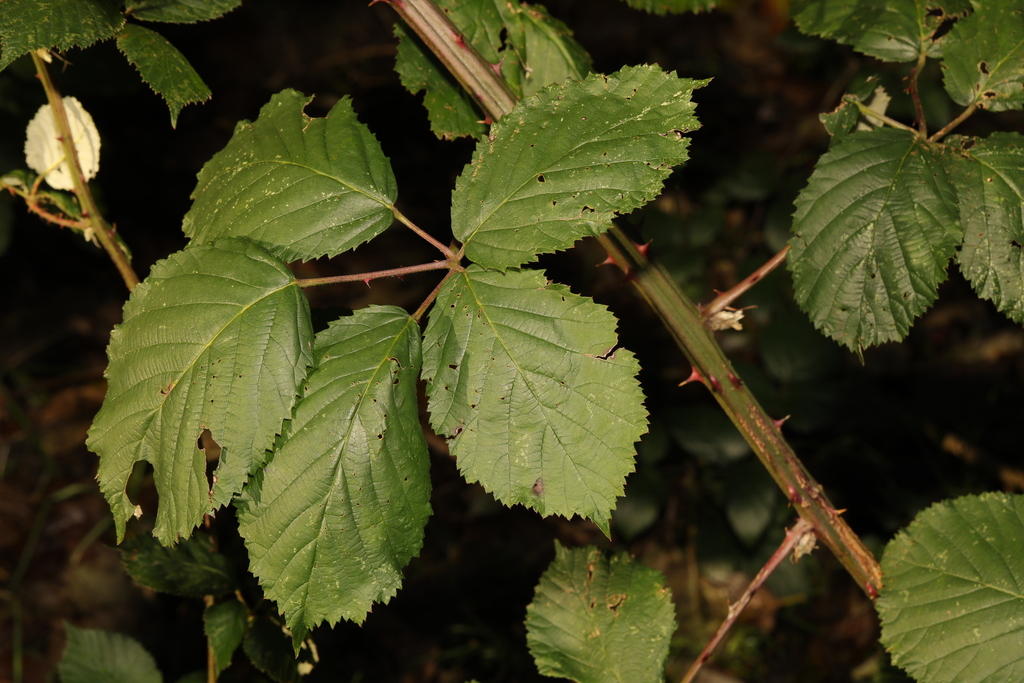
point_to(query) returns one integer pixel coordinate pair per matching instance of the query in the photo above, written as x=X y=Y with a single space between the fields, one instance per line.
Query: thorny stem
x=945 y=130
x=915 y=95
x=376 y=274
x=448 y=254
x=684 y=321
x=793 y=537
x=726 y=298
x=90 y=212
x=418 y=313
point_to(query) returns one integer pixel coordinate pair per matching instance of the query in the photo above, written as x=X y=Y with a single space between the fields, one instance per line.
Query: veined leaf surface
x=672 y=6
x=165 y=69
x=563 y=163
x=989 y=177
x=340 y=508
x=873 y=232
x=93 y=655
x=300 y=187
x=217 y=337
x=180 y=11
x=600 y=619
x=225 y=624
x=894 y=31
x=952 y=607
x=524 y=377
x=985 y=57
x=27 y=25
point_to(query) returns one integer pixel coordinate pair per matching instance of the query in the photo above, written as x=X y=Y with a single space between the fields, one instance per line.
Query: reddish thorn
x=781 y=421
x=630 y=277
x=367 y=281
x=496 y=67
x=488 y=120
x=715 y=384
x=694 y=377
x=642 y=248
x=872 y=591
x=736 y=381
x=609 y=261
x=794 y=497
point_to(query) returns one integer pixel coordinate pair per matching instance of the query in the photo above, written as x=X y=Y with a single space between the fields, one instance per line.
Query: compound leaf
x=954 y=592
x=165 y=69
x=300 y=187
x=180 y=11
x=524 y=377
x=672 y=6
x=895 y=31
x=216 y=338
x=93 y=655
x=985 y=57
x=224 y=624
x=597 y=619
x=873 y=232
x=561 y=164
x=989 y=177
x=28 y=25
x=340 y=509
x=191 y=568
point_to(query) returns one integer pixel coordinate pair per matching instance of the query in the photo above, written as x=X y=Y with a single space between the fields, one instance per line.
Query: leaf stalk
x=376 y=274
x=90 y=212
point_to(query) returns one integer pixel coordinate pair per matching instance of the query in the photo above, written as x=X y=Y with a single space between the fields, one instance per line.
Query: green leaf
x=525 y=378
x=844 y=118
x=180 y=11
x=896 y=31
x=563 y=163
x=225 y=624
x=217 y=337
x=672 y=6
x=94 y=656
x=953 y=596
x=165 y=69
x=268 y=646
x=533 y=49
x=300 y=187
x=596 y=618
x=873 y=232
x=191 y=568
x=540 y=48
x=28 y=25
x=985 y=57
x=340 y=509
x=450 y=109
x=989 y=178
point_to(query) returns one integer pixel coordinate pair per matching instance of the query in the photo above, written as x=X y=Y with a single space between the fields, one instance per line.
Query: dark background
x=933 y=417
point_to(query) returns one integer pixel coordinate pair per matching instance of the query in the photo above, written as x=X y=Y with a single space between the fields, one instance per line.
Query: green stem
x=915 y=95
x=870 y=113
x=374 y=275
x=947 y=129
x=90 y=212
x=723 y=300
x=448 y=254
x=679 y=315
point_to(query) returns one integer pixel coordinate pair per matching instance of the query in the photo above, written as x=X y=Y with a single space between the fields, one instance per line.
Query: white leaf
x=44 y=152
